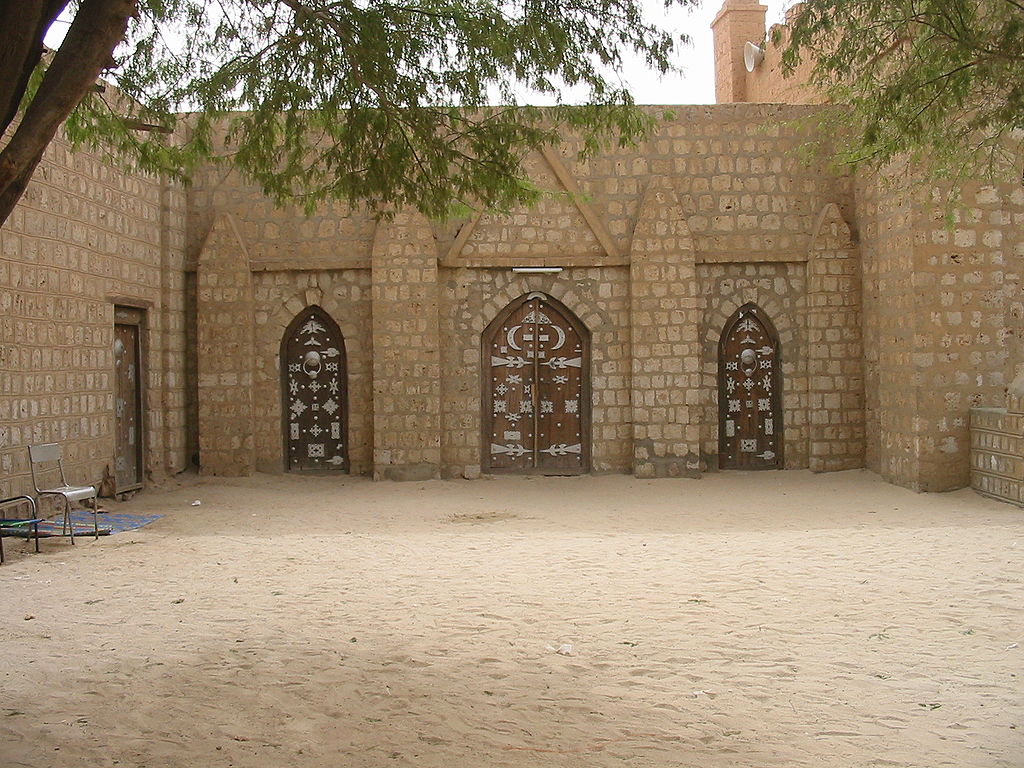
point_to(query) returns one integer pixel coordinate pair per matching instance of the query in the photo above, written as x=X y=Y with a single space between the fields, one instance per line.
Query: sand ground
x=771 y=619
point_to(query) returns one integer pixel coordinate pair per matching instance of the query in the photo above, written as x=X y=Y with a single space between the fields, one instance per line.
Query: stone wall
x=938 y=296
x=654 y=243
x=936 y=338
x=87 y=237
x=406 y=356
x=892 y=323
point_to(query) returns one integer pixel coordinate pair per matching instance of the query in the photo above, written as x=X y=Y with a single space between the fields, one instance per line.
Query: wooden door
x=128 y=432
x=536 y=390
x=749 y=392
x=314 y=395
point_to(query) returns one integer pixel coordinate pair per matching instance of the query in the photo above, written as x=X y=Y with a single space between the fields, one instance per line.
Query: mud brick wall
x=961 y=345
x=835 y=354
x=406 y=357
x=723 y=186
x=664 y=322
x=936 y=332
x=85 y=237
x=224 y=311
x=940 y=302
x=886 y=244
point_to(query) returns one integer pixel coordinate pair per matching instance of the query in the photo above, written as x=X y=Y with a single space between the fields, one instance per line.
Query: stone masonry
x=938 y=301
x=88 y=237
x=656 y=246
x=892 y=325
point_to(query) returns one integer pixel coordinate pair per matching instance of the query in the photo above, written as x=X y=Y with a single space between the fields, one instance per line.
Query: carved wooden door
x=314 y=400
x=749 y=393
x=536 y=393
x=128 y=438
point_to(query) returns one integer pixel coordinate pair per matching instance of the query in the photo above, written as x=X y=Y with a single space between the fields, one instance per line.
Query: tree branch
x=24 y=22
x=86 y=51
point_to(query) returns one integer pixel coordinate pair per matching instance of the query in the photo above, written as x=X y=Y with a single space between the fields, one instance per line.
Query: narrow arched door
x=749 y=392
x=314 y=393
x=536 y=390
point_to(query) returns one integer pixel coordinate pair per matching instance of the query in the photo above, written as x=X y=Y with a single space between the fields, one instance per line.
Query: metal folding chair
x=42 y=458
x=10 y=524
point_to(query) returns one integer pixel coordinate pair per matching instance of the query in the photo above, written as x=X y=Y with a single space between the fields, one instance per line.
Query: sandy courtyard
x=773 y=619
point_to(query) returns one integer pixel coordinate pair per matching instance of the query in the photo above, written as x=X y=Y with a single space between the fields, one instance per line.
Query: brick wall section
x=835 y=362
x=224 y=308
x=665 y=347
x=747 y=193
x=277 y=236
x=406 y=357
x=552 y=230
x=168 y=418
x=748 y=202
x=84 y=237
x=960 y=356
x=278 y=297
x=887 y=240
x=935 y=326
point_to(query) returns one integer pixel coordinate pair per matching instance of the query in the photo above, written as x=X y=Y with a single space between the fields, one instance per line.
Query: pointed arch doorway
x=314 y=393
x=749 y=392
x=536 y=390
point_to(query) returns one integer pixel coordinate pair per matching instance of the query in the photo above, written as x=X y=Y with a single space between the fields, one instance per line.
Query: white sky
x=697 y=83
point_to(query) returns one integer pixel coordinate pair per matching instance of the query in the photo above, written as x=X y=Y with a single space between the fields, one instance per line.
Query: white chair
x=48 y=458
x=16 y=524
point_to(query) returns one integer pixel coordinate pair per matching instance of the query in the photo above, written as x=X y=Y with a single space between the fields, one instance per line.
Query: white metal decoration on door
x=314 y=396
x=749 y=392
x=536 y=390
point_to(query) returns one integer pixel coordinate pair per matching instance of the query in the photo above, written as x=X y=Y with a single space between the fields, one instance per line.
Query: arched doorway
x=536 y=389
x=314 y=393
x=749 y=392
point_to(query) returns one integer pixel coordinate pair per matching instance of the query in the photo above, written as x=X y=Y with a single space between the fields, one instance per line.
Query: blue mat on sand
x=110 y=522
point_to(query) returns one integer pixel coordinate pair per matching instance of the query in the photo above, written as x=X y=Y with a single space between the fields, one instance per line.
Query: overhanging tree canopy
x=938 y=81
x=376 y=101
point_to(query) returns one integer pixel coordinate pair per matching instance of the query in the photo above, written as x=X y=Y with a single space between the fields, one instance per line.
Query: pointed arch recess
x=535 y=389
x=314 y=393
x=750 y=392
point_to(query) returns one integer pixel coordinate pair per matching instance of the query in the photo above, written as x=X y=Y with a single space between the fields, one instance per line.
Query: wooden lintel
x=507 y=262
x=308 y=265
x=462 y=237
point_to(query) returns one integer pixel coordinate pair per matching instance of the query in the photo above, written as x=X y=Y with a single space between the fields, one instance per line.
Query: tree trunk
x=98 y=26
x=24 y=23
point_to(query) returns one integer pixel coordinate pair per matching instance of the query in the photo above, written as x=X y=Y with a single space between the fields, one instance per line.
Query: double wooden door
x=749 y=392
x=536 y=390
x=314 y=398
